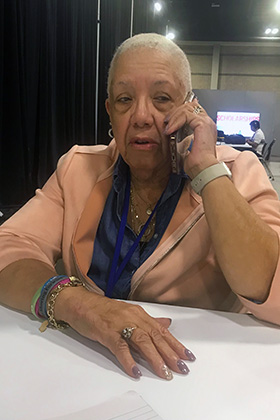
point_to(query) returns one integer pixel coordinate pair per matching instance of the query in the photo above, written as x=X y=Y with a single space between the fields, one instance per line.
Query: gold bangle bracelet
x=51 y=321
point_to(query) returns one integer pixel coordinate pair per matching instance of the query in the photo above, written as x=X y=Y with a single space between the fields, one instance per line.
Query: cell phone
x=177 y=137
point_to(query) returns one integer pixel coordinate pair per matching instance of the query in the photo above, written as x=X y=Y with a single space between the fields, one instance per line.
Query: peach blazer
x=61 y=221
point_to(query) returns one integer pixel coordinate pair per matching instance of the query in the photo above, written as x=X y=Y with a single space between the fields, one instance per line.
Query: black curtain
x=48 y=51
x=47 y=88
x=114 y=28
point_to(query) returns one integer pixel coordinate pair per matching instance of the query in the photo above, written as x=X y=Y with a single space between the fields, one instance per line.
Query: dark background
x=48 y=71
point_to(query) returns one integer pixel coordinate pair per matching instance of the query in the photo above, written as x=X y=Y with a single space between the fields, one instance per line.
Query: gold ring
x=197 y=109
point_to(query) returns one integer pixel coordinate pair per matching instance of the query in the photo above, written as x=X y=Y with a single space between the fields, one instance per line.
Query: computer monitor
x=236 y=122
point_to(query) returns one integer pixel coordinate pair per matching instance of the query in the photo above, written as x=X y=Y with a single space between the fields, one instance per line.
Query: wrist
x=74 y=302
x=197 y=168
x=208 y=175
x=66 y=302
x=52 y=309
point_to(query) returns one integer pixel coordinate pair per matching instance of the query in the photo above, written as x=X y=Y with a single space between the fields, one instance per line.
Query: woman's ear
x=107 y=106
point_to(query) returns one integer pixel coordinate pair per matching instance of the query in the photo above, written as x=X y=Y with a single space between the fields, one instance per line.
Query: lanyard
x=116 y=271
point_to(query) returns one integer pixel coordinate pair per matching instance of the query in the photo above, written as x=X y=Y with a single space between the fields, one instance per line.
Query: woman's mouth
x=143 y=143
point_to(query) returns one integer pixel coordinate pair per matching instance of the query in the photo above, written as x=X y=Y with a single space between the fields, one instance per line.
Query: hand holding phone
x=177 y=137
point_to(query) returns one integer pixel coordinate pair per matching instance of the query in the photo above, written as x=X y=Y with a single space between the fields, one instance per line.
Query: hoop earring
x=110 y=133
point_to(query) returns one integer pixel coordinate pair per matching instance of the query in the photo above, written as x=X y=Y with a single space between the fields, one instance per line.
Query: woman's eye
x=162 y=99
x=124 y=100
x=163 y=102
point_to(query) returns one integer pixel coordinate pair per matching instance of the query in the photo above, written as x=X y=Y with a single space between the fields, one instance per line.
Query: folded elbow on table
x=268 y=309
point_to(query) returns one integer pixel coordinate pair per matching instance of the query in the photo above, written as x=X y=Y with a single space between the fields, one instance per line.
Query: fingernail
x=136 y=372
x=183 y=367
x=166 y=128
x=167 y=373
x=191 y=357
x=190 y=146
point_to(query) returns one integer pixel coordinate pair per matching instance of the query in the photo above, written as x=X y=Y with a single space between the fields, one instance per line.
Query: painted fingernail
x=183 y=367
x=190 y=146
x=167 y=373
x=170 y=319
x=136 y=372
x=191 y=357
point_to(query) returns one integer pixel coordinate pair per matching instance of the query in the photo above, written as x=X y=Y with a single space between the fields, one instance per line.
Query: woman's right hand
x=102 y=319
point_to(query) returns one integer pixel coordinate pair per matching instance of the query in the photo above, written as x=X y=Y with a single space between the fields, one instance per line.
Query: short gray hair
x=160 y=43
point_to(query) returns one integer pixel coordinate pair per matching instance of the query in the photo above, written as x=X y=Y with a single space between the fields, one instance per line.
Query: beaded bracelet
x=46 y=289
x=38 y=302
x=51 y=321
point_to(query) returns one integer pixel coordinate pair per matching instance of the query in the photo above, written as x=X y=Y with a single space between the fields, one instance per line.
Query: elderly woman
x=127 y=227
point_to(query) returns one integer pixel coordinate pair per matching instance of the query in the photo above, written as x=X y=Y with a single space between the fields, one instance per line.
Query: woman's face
x=144 y=90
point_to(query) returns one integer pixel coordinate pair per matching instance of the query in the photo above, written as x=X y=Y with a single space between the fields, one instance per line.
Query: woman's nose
x=142 y=114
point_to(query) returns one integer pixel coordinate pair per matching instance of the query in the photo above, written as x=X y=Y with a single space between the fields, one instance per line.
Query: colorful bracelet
x=38 y=302
x=34 y=302
x=47 y=287
x=37 y=312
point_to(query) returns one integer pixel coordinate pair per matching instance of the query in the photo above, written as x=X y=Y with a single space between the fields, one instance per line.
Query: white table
x=240 y=147
x=236 y=375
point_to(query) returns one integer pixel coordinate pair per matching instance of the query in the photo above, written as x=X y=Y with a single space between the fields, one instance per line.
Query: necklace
x=137 y=223
x=150 y=206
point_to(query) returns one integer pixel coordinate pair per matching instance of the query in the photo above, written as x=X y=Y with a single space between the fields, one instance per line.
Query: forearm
x=246 y=247
x=20 y=280
x=252 y=143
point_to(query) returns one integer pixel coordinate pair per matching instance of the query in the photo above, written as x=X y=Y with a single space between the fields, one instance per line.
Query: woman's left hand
x=240 y=234
x=203 y=151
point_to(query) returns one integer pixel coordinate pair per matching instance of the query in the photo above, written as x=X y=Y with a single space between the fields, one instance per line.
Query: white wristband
x=208 y=174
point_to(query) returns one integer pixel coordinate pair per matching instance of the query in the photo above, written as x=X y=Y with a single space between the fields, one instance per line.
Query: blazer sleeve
x=252 y=182
x=35 y=231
